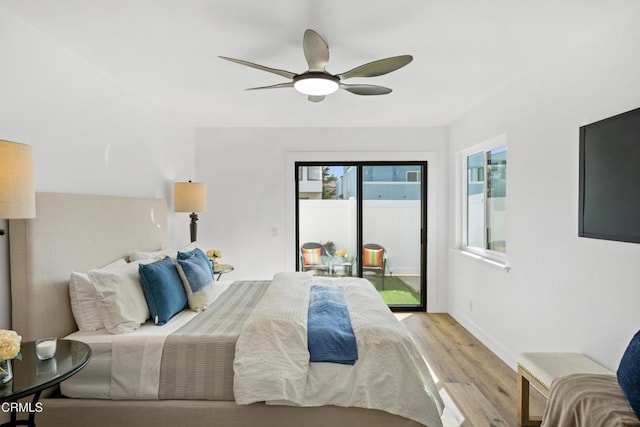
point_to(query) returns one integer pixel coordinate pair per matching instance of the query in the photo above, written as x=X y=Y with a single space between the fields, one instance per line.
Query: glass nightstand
x=32 y=376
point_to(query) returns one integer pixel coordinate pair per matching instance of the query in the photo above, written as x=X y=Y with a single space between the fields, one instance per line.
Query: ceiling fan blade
x=366 y=89
x=289 y=84
x=377 y=68
x=283 y=73
x=316 y=98
x=316 y=50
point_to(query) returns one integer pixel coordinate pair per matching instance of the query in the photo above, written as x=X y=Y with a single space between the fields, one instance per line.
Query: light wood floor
x=481 y=385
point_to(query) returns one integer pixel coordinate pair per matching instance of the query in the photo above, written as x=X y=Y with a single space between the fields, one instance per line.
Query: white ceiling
x=167 y=50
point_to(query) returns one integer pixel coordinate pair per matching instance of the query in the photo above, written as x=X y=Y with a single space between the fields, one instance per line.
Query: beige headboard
x=73 y=232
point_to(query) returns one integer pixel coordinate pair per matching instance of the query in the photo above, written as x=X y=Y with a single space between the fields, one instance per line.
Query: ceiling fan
x=316 y=82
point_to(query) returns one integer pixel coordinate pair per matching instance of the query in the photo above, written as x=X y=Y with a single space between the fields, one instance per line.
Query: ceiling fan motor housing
x=316 y=83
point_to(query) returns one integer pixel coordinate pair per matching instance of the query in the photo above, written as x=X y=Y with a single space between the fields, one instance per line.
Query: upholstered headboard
x=73 y=232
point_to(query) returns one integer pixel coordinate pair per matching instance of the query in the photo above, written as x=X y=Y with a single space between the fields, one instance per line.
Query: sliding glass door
x=327 y=221
x=365 y=219
x=392 y=220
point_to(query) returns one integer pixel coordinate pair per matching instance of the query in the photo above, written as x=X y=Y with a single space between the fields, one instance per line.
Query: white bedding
x=125 y=366
x=272 y=360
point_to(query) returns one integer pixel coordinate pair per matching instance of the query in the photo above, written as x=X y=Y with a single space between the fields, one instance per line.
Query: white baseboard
x=505 y=355
x=436 y=308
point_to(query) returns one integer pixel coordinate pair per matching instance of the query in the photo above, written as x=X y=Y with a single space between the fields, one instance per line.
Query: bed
x=81 y=232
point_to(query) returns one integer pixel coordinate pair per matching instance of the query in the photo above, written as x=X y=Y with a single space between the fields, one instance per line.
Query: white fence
x=394 y=224
x=476 y=220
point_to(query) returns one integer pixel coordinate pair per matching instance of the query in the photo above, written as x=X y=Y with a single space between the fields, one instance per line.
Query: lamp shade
x=189 y=197
x=17 y=195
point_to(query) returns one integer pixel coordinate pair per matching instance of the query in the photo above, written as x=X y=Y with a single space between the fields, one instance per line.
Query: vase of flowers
x=9 y=349
x=213 y=255
x=6 y=373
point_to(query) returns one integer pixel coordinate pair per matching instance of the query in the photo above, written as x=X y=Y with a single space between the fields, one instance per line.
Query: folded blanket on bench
x=586 y=400
x=330 y=337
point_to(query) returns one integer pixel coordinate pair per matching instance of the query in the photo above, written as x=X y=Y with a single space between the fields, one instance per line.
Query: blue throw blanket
x=330 y=336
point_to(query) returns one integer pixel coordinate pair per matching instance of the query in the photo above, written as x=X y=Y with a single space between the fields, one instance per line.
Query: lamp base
x=193 y=227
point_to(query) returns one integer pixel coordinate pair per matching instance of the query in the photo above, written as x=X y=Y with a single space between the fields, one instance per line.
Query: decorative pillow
x=84 y=304
x=162 y=289
x=372 y=257
x=312 y=256
x=157 y=255
x=197 y=251
x=629 y=373
x=121 y=303
x=198 y=281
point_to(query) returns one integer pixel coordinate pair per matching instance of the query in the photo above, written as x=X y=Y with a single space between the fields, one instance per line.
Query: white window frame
x=493 y=256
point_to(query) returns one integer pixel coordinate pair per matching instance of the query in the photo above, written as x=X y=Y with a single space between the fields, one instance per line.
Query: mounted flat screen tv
x=610 y=178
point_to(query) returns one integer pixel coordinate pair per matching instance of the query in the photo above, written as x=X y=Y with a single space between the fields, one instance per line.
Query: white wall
x=89 y=134
x=250 y=178
x=563 y=293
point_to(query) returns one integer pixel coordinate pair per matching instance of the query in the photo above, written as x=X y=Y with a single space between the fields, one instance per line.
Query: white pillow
x=121 y=302
x=83 y=299
x=161 y=253
x=188 y=247
x=155 y=255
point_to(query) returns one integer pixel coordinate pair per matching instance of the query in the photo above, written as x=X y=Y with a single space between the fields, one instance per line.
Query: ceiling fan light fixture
x=316 y=84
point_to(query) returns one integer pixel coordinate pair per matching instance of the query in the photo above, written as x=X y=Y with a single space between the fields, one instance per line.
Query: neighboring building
x=310 y=182
x=398 y=182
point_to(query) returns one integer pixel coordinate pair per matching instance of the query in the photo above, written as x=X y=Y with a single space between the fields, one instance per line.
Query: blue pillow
x=198 y=281
x=162 y=289
x=629 y=373
x=198 y=252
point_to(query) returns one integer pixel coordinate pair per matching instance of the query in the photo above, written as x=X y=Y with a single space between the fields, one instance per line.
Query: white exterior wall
x=394 y=224
x=324 y=220
x=475 y=220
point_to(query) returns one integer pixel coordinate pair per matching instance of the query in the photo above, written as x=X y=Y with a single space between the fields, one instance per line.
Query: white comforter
x=272 y=360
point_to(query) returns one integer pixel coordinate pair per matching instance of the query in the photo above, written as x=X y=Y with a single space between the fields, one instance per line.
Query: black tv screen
x=610 y=178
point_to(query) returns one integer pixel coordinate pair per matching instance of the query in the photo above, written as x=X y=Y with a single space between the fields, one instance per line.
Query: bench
x=540 y=369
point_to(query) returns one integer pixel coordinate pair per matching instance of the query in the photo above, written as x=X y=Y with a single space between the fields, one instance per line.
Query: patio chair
x=313 y=257
x=374 y=258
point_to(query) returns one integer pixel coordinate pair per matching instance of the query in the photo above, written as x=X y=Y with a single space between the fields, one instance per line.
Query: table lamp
x=17 y=195
x=190 y=197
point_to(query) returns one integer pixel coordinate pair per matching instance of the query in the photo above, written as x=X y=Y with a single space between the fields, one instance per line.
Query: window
x=314 y=173
x=413 y=176
x=485 y=196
